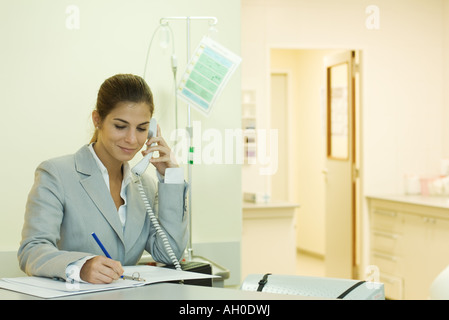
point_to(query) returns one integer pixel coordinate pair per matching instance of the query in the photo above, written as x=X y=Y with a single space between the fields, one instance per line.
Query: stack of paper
x=49 y=288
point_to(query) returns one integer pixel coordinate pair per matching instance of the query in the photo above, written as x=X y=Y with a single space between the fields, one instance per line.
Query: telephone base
x=199 y=267
x=198 y=263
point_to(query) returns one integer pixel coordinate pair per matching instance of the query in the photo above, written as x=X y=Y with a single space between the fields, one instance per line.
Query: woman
x=93 y=190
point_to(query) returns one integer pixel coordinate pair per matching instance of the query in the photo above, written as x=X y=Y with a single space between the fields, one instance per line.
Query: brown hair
x=119 y=88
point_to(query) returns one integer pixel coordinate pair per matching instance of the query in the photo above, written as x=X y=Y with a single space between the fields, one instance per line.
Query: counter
x=430 y=201
x=268 y=238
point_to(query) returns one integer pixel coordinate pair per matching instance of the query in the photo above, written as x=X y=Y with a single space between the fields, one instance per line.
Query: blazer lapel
x=95 y=187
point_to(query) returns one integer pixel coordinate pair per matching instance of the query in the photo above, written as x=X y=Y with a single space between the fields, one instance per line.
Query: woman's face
x=123 y=132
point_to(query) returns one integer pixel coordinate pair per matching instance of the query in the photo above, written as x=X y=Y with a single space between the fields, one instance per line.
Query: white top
x=126 y=180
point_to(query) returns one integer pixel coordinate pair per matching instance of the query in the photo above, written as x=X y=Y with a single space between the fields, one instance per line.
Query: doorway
x=280 y=181
x=307 y=116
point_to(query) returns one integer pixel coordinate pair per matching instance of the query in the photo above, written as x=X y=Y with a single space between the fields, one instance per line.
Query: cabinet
x=409 y=237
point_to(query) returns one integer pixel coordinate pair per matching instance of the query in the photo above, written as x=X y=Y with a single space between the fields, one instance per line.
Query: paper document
x=49 y=288
x=153 y=274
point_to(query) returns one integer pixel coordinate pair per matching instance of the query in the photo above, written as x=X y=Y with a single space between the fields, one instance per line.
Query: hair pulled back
x=121 y=88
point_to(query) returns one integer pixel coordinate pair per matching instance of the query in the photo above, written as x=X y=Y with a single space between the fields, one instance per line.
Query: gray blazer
x=69 y=200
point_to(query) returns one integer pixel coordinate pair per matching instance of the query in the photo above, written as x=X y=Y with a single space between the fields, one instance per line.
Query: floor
x=309 y=265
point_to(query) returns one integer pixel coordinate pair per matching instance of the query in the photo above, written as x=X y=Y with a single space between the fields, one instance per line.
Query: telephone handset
x=138 y=170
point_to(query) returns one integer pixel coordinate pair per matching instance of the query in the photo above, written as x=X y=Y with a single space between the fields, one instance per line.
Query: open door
x=340 y=171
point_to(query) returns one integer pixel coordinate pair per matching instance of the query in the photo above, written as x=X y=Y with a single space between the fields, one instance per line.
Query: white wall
x=50 y=77
x=445 y=117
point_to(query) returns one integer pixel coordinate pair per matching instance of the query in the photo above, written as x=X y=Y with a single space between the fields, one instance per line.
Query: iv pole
x=212 y=21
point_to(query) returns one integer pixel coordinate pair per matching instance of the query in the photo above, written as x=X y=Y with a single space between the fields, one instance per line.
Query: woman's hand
x=101 y=269
x=166 y=159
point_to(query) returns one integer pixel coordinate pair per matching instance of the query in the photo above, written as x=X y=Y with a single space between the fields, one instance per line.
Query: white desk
x=164 y=291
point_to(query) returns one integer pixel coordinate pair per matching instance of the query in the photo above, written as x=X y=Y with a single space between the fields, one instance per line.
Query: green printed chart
x=206 y=74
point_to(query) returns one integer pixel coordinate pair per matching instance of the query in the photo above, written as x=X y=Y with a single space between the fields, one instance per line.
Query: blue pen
x=101 y=245
x=106 y=253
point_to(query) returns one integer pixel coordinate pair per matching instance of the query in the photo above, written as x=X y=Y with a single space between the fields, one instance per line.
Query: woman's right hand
x=101 y=269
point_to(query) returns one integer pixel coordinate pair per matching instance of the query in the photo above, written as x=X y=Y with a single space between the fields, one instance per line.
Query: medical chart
x=206 y=74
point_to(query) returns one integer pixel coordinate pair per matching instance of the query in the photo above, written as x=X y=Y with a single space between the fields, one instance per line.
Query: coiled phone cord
x=158 y=227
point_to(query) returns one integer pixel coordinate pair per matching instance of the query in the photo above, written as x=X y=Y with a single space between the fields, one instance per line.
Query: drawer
x=386 y=241
x=393 y=286
x=385 y=219
x=386 y=262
